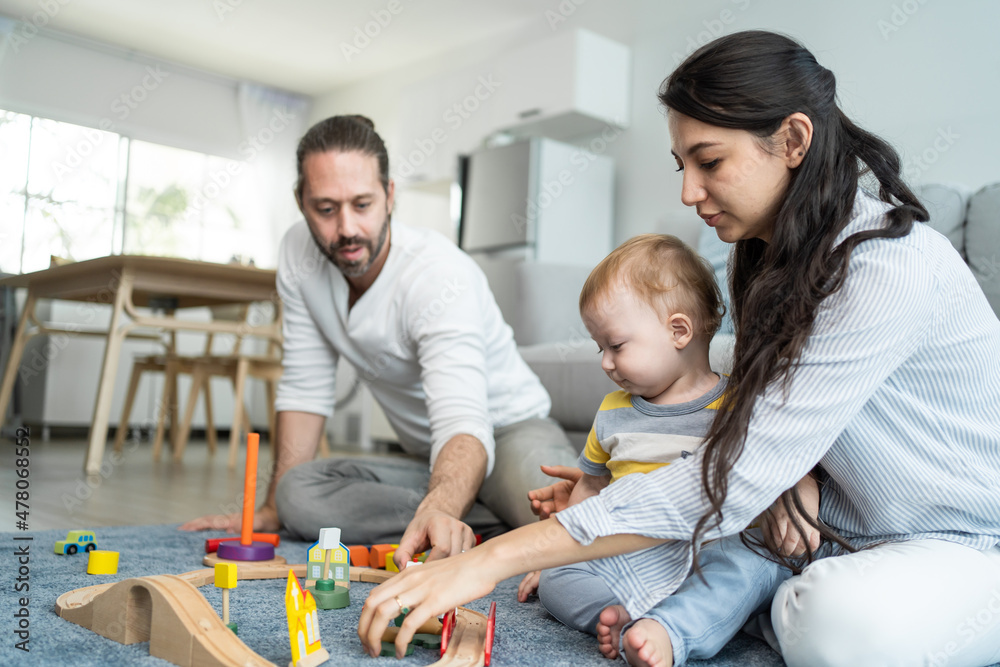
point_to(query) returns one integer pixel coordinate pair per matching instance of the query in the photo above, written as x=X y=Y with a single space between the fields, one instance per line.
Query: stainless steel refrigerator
x=537 y=200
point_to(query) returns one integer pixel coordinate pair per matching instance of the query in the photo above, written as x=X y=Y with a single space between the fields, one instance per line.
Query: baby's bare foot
x=609 y=629
x=647 y=644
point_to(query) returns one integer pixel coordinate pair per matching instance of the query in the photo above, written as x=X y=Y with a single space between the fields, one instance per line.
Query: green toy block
x=426 y=640
x=389 y=650
x=330 y=596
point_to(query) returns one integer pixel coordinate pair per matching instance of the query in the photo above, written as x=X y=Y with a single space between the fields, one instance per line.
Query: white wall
x=912 y=71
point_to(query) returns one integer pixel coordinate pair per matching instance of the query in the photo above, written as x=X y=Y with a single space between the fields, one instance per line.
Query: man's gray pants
x=373 y=498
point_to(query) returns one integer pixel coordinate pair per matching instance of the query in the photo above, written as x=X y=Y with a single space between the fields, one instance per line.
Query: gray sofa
x=539 y=301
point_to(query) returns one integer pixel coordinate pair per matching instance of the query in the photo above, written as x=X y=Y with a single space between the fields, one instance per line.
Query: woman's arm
x=434 y=588
x=861 y=337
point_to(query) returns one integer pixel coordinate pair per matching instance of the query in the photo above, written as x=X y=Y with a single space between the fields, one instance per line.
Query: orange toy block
x=378 y=554
x=359 y=555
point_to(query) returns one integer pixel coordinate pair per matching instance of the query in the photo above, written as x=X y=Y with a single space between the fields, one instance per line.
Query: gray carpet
x=525 y=635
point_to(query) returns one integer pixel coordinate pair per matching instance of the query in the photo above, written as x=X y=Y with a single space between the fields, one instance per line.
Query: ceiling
x=304 y=46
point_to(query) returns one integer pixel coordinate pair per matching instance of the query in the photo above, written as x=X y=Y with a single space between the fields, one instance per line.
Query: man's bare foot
x=609 y=629
x=648 y=644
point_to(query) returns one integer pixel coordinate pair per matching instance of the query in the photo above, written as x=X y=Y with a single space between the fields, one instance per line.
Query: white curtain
x=271 y=123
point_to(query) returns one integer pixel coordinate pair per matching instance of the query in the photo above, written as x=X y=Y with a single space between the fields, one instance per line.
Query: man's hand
x=555 y=497
x=776 y=522
x=442 y=533
x=265 y=520
x=451 y=491
x=528 y=585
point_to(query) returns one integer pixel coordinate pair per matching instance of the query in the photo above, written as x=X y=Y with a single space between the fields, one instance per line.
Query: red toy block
x=378 y=553
x=359 y=556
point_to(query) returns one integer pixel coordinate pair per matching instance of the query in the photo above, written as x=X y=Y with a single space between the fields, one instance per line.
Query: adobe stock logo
x=914 y=166
x=899 y=17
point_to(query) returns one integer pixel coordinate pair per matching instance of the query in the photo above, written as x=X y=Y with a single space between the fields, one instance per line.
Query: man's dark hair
x=344 y=134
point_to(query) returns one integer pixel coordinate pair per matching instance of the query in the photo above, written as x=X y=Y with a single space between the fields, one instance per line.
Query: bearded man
x=415 y=316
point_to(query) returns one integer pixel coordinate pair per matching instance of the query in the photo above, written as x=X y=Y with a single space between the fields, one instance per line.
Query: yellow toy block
x=225 y=575
x=390 y=564
x=102 y=562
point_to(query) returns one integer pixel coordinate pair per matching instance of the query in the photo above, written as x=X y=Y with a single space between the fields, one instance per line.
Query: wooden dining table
x=126 y=283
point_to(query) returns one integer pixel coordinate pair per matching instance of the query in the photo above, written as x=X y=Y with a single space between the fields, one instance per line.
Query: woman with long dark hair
x=865 y=352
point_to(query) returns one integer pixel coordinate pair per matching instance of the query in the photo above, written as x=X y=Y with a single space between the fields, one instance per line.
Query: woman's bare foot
x=609 y=629
x=647 y=644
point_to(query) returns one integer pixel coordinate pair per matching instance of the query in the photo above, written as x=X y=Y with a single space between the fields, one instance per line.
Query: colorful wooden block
x=359 y=555
x=225 y=575
x=330 y=595
x=389 y=650
x=378 y=552
x=102 y=562
x=425 y=640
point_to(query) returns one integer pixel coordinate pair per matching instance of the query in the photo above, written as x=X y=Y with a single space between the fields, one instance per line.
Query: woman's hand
x=434 y=588
x=554 y=498
x=777 y=525
x=427 y=591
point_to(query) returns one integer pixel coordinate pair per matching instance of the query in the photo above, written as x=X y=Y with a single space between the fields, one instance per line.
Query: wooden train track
x=181 y=626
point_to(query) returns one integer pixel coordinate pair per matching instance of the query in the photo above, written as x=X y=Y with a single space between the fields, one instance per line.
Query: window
x=186 y=204
x=79 y=193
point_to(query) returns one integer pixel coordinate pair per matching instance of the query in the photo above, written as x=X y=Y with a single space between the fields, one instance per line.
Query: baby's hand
x=777 y=523
x=528 y=585
x=555 y=497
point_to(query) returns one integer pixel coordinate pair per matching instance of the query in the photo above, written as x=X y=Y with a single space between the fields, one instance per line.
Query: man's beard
x=353 y=269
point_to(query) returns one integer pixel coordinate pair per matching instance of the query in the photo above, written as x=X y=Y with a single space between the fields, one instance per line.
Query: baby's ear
x=681 y=329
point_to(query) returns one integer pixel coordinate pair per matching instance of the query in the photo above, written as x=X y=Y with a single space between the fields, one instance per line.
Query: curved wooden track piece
x=468 y=640
x=181 y=626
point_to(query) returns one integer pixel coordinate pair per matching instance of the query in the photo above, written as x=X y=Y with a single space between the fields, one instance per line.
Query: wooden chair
x=237 y=366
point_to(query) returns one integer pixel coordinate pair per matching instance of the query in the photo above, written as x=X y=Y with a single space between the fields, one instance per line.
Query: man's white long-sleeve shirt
x=427 y=337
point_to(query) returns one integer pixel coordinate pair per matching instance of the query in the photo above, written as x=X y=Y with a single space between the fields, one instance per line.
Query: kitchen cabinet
x=569 y=85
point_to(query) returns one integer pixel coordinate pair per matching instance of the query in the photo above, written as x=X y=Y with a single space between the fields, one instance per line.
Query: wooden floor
x=132 y=489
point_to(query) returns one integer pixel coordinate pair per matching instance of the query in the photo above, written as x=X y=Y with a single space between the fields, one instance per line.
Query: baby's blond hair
x=665 y=273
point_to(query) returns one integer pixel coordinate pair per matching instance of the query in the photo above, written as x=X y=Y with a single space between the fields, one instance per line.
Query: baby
x=652 y=306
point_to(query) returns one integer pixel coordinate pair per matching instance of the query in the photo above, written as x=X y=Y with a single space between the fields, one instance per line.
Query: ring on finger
x=403 y=609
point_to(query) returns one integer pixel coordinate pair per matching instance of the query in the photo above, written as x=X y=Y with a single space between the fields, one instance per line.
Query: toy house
x=336 y=567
